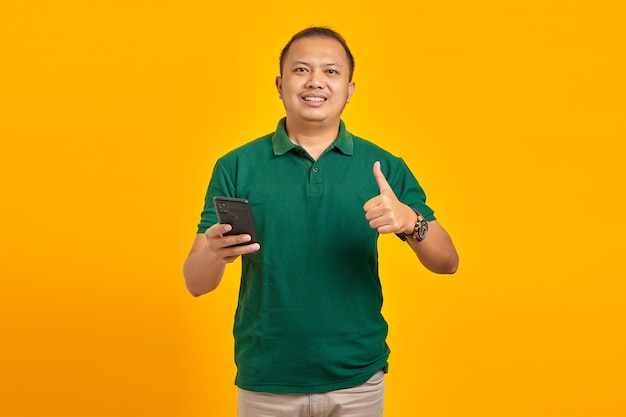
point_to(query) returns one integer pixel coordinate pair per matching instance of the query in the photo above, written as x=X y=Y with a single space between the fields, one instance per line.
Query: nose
x=315 y=80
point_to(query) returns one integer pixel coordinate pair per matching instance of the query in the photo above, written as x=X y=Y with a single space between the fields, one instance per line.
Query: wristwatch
x=420 y=230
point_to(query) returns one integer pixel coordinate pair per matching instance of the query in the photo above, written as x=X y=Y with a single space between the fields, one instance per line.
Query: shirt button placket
x=316 y=184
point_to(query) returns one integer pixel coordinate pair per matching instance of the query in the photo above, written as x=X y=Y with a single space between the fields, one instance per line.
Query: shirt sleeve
x=410 y=192
x=220 y=184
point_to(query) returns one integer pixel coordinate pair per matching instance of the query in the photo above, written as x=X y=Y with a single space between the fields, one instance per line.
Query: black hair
x=323 y=32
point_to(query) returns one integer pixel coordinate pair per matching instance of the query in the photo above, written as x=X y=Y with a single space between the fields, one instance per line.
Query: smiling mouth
x=317 y=99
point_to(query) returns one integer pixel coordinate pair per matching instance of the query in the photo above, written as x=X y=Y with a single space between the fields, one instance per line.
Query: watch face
x=422 y=229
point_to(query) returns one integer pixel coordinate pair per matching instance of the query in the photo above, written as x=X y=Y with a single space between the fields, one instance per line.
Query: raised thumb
x=383 y=185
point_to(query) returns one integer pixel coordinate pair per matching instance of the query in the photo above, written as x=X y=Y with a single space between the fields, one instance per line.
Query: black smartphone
x=237 y=213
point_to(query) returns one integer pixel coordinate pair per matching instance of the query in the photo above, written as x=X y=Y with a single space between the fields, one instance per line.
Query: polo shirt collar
x=282 y=144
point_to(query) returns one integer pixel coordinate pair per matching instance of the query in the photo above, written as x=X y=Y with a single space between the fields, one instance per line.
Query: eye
x=300 y=69
x=331 y=71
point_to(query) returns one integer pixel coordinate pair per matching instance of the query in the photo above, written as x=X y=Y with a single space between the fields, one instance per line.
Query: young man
x=309 y=334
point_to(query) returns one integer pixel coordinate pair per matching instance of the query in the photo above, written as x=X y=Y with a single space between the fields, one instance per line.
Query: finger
x=234 y=252
x=251 y=248
x=383 y=185
x=240 y=249
x=217 y=236
x=226 y=241
x=225 y=228
x=371 y=203
x=218 y=230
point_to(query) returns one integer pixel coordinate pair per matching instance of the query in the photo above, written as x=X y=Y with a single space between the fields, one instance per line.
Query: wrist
x=419 y=228
x=409 y=227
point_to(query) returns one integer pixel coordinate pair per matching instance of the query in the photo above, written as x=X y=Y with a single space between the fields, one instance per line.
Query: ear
x=351 y=88
x=279 y=86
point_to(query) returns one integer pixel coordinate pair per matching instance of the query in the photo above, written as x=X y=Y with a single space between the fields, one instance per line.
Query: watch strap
x=420 y=230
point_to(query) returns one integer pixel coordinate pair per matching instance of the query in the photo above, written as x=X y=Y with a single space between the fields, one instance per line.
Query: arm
x=209 y=255
x=436 y=252
x=388 y=215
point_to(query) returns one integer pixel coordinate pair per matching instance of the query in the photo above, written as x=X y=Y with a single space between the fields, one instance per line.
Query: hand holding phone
x=237 y=213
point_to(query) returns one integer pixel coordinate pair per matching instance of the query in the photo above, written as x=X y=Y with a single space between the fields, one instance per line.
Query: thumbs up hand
x=385 y=212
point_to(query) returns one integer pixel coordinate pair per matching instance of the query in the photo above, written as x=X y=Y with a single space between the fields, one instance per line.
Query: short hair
x=324 y=32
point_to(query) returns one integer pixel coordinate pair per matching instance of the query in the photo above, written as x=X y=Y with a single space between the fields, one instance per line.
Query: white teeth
x=314 y=99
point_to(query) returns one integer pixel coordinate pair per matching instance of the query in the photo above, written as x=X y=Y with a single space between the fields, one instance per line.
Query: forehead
x=317 y=48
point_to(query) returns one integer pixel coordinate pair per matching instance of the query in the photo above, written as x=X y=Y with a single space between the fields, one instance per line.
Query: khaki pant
x=361 y=401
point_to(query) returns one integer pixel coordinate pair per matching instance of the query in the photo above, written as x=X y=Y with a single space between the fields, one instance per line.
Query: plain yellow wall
x=511 y=114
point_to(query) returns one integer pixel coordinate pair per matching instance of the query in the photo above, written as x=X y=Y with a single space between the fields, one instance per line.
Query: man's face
x=315 y=85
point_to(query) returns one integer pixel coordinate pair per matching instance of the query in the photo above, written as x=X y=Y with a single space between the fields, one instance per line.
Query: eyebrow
x=329 y=64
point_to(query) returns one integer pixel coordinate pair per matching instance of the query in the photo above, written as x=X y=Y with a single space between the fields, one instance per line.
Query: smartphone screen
x=237 y=213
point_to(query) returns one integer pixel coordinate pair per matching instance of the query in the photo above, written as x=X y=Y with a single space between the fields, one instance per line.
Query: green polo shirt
x=309 y=313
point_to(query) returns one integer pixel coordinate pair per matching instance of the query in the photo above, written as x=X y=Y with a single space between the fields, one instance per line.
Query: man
x=309 y=334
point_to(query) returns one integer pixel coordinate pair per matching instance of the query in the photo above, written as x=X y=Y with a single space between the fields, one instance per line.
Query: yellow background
x=511 y=114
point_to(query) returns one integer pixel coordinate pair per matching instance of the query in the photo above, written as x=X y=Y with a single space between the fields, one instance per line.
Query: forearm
x=203 y=272
x=209 y=255
x=436 y=252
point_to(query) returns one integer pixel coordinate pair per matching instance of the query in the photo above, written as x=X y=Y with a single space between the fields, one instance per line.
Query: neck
x=312 y=135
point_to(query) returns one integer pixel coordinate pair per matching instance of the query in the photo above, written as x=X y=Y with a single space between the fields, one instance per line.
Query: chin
x=318 y=116
x=314 y=119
